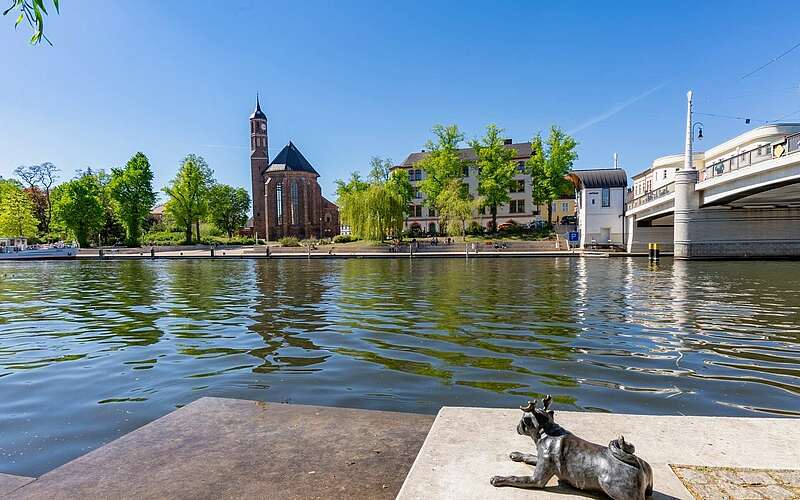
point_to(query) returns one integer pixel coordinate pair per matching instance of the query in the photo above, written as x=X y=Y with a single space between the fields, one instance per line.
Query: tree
x=79 y=206
x=548 y=166
x=32 y=11
x=40 y=180
x=188 y=193
x=16 y=211
x=442 y=164
x=496 y=170
x=455 y=208
x=227 y=207
x=132 y=190
x=379 y=169
x=374 y=209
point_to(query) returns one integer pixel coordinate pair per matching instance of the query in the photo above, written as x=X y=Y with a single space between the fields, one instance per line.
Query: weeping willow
x=374 y=210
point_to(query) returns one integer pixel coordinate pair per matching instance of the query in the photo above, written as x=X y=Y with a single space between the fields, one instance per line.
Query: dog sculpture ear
x=529 y=407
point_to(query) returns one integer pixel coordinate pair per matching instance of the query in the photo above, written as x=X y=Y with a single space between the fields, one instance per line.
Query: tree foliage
x=40 y=180
x=131 y=188
x=375 y=209
x=32 y=11
x=227 y=207
x=442 y=164
x=456 y=208
x=188 y=194
x=548 y=165
x=78 y=206
x=17 y=217
x=496 y=169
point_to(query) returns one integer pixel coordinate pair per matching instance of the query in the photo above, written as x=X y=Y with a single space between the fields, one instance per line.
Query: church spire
x=258 y=113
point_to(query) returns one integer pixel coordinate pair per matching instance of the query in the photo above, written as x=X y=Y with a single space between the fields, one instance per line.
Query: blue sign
x=573 y=236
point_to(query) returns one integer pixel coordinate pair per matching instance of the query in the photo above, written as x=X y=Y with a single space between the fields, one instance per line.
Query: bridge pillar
x=687 y=206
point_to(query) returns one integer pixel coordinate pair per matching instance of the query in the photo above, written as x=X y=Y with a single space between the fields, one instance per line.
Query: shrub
x=343 y=238
x=289 y=241
x=475 y=229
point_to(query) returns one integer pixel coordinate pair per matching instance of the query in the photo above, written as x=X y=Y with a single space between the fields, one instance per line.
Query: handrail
x=751 y=157
x=652 y=195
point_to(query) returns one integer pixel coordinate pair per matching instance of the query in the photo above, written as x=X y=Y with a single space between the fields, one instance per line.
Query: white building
x=600 y=203
x=520 y=210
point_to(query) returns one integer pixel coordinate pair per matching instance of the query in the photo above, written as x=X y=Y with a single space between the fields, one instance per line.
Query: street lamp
x=687 y=164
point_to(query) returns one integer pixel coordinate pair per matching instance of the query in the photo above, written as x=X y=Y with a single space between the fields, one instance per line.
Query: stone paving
x=739 y=483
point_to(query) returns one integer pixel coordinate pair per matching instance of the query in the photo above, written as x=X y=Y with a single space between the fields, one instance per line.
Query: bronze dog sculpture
x=613 y=469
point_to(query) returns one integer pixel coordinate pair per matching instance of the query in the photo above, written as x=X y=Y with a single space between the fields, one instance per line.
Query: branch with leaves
x=32 y=11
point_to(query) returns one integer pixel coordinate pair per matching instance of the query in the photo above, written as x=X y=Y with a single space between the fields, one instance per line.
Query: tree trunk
x=197 y=227
x=189 y=234
x=493 y=210
x=550 y=212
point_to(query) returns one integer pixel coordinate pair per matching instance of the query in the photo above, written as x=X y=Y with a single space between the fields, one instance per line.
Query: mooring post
x=153 y=253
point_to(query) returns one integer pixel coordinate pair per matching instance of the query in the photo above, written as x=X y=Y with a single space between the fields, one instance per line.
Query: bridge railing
x=649 y=196
x=756 y=155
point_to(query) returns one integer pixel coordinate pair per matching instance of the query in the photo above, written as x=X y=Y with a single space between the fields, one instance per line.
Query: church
x=287 y=198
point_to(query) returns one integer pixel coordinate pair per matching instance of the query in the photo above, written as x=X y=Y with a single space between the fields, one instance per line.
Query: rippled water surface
x=91 y=350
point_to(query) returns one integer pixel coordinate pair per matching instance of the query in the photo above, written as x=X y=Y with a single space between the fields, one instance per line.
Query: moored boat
x=18 y=249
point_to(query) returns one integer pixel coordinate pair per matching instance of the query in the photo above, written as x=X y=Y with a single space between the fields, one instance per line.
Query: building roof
x=521 y=150
x=158 y=209
x=258 y=113
x=291 y=159
x=599 y=178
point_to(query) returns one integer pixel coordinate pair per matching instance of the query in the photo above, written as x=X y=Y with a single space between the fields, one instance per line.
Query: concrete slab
x=227 y=448
x=9 y=483
x=467 y=446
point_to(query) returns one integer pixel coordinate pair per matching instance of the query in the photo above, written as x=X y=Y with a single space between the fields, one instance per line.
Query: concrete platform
x=9 y=483
x=467 y=446
x=227 y=448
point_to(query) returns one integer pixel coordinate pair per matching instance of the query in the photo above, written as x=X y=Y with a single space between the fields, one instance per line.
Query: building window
x=279 y=204
x=295 y=203
x=564 y=206
x=415 y=210
x=521 y=167
x=518 y=186
x=465 y=171
x=606 y=197
x=516 y=206
x=417 y=175
x=431 y=212
x=416 y=193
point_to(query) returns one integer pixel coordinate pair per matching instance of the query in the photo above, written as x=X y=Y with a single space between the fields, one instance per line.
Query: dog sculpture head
x=535 y=422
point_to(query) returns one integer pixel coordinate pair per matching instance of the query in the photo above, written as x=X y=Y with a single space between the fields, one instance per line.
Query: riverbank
x=333 y=252
x=215 y=448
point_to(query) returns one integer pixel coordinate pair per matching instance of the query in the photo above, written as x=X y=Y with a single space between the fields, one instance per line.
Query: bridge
x=742 y=199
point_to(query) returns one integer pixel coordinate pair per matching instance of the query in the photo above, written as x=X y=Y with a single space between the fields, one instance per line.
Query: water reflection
x=91 y=350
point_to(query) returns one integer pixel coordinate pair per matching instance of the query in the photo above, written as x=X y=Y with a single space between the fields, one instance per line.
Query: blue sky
x=347 y=80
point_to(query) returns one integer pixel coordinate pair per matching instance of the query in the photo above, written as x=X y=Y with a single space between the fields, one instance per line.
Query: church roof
x=258 y=113
x=290 y=158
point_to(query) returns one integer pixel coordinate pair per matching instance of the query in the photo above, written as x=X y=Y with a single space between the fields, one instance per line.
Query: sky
x=347 y=80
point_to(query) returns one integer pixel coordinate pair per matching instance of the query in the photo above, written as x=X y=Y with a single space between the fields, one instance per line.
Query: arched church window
x=279 y=203
x=295 y=202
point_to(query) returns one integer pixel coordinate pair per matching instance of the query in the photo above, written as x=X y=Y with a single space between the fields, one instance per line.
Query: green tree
x=442 y=164
x=456 y=208
x=188 y=194
x=32 y=11
x=379 y=169
x=132 y=190
x=40 y=180
x=79 y=208
x=375 y=209
x=227 y=207
x=496 y=170
x=548 y=166
x=16 y=211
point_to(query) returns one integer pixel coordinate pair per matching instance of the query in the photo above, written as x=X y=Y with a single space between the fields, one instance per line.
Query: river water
x=91 y=350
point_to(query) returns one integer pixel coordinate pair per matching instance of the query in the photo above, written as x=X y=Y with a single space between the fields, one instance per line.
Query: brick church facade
x=286 y=194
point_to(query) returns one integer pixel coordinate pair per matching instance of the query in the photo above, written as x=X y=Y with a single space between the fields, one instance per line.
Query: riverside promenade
x=229 y=448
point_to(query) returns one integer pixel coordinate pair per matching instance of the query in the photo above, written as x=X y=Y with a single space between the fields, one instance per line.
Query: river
x=90 y=350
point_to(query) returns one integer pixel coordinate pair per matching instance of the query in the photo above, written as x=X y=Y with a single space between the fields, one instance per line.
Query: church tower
x=259 y=160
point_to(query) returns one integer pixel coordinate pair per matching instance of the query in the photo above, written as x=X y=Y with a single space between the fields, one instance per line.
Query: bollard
x=100 y=254
x=653 y=253
x=153 y=253
x=268 y=254
x=212 y=252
